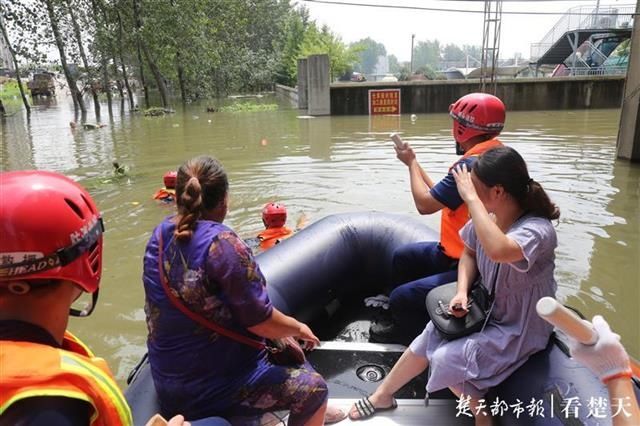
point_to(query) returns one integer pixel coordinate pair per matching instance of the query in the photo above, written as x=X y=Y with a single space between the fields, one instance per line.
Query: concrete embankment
x=518 y=94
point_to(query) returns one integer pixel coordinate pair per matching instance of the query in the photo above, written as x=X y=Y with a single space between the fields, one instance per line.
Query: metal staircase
x=576 y=26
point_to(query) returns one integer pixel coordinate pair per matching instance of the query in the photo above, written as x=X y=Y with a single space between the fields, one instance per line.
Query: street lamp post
x=411 y=66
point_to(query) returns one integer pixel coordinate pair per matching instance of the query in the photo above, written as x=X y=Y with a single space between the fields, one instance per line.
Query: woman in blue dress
x=511 y=228
x=210 y=270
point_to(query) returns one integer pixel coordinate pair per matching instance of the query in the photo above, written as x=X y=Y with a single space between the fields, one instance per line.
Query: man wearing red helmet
x=50 y=253
x=478 y=118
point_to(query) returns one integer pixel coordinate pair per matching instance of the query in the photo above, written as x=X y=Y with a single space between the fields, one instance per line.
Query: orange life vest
x=271 y=236
x=35 y=370
x=164 y=194
x=453 y=220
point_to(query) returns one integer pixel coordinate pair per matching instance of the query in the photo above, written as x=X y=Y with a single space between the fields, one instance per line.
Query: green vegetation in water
x=156 y=111
x=10 y=89
x=10 y=94
x=249 y=107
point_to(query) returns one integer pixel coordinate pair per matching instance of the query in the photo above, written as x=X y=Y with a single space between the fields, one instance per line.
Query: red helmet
x=51 y=229
x=476 y=114
x=169 y=179
x=274 y=215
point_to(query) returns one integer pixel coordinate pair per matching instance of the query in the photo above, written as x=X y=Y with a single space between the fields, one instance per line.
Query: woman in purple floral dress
x=200 y=373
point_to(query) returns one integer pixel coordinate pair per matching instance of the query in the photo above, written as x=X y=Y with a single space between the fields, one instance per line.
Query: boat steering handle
x=562 y=318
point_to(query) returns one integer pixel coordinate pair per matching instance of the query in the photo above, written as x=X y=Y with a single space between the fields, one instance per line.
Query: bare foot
x=333 y=415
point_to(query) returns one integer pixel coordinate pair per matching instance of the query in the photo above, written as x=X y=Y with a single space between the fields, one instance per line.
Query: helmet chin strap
x=87 y=310
x=459 y=149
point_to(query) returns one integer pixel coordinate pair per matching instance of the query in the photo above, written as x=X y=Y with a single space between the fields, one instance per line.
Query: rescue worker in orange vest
x=478 y=118
x=274 y=218
x=168 y=193
x=50 y=253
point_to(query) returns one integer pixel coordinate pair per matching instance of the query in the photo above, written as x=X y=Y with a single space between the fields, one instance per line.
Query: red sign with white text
x=384 y=101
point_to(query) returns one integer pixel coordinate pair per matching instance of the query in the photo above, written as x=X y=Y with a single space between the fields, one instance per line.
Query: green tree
x=394 y=65
x=427 y=71
x=54 y=15
x=296 y=25
x=453 y=53
x=12 y=53
x=427 y=53
x=370 y=50
x=323 y=41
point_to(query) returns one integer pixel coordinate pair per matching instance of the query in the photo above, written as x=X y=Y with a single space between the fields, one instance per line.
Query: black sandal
x=366 y=409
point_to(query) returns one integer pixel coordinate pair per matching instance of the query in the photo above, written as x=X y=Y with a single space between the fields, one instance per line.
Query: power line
x=437 y=9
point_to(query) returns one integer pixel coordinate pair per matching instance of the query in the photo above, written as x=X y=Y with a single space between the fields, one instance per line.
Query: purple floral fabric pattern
x=197 y=372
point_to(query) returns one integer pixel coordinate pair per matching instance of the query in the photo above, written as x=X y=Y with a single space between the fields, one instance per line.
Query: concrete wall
x=288 y=93
x=517 y=94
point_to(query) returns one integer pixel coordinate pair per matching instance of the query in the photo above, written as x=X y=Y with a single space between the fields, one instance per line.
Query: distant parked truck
x=42 y=84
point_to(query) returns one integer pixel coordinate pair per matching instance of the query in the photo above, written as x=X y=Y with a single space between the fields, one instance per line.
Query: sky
x=394 y=27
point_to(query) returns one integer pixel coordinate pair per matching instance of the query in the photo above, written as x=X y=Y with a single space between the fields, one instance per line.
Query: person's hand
x=158 y=420
x=458 y=305
x=308 y=338
x=462 y=175
x=607 y=357
x=406 y=154
x=178 y=421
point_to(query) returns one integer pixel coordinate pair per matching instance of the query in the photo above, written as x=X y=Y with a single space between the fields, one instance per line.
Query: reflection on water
x=320 y=166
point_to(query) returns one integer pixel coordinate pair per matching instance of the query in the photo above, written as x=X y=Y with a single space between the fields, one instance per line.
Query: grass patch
x=10 y=89
x=248 y=107
x=10 y=95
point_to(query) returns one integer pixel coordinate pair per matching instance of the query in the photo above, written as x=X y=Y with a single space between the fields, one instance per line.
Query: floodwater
x=320 y=166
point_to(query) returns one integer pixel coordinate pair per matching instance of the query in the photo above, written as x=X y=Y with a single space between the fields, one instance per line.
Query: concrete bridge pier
x=303 y=100
x=628 y=145
x=318 y=85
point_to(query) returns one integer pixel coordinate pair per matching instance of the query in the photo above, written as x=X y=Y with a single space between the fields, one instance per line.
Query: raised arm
x=421 y=183
x=496 y=244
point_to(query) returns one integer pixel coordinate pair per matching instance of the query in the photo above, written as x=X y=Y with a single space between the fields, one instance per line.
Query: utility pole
x=411 y=67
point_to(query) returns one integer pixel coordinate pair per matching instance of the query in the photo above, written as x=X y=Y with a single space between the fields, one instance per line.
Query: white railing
x=584 y=18
x=602 y=70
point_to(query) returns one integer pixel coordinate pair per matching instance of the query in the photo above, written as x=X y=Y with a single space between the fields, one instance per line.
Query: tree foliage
x=189 y=49
x=427 y=53
x=322 y=41
x=370 y=50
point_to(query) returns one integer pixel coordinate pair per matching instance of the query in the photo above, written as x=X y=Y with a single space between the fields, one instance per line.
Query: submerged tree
x=78 y=36
x=12 y=52
x=71 y=81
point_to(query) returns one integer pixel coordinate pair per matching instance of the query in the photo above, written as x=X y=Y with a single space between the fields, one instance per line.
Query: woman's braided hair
x=201 y=185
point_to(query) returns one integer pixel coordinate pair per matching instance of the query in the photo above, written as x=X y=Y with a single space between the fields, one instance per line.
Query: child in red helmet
x=168 y=193
x=274 y=218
